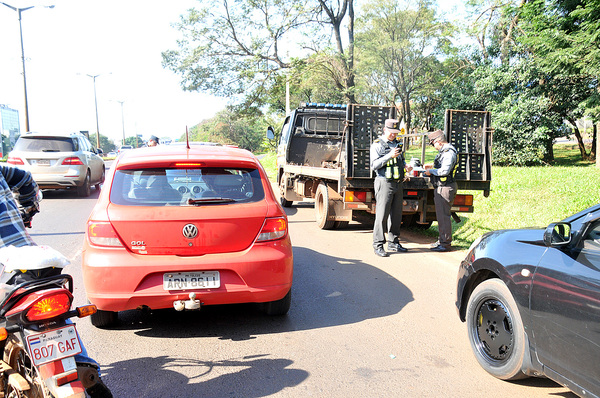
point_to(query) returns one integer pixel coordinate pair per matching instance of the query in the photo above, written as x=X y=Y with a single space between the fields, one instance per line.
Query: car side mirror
x=557 y=234
x=270 y=133
x=99 y=151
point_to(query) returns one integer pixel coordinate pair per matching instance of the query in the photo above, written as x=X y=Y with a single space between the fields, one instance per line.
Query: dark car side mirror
x=557 y=234
x=270 y=133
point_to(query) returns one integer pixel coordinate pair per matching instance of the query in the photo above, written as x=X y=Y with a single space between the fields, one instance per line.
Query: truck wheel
x=408 y=220
x=340 y=224
x=422 y=226
x=284 y=202
x=322 y=210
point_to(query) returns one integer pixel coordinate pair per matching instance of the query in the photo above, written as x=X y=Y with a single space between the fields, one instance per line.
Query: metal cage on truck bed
x=471 y=133
x=365 y=124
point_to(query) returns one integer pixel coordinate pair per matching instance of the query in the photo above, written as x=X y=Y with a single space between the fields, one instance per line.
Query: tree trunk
x=549 y=158
x=596 y=145
x=580 y=144
x=350 y=81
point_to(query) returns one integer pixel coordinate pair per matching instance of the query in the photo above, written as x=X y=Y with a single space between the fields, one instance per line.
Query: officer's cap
x=393 y=125
x=435 y=136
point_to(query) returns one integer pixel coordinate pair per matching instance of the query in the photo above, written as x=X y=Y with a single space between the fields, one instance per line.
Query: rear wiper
x=199 y=201
x=50 y=150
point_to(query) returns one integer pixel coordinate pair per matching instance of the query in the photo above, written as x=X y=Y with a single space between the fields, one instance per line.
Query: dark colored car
x=531 y=301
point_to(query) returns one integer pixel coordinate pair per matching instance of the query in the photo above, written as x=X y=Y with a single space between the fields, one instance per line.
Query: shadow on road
x=257 y=376
x=328 y=291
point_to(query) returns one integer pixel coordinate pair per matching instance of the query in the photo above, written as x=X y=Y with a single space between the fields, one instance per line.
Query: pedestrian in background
x=442 y=173
x=153 y=141
x=387 y=161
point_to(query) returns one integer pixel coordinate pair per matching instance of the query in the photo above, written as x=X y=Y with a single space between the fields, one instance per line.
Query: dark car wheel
x=102 y=178
x=278 y=307
x=85 y=189
x=102 y=319
x=496 y=331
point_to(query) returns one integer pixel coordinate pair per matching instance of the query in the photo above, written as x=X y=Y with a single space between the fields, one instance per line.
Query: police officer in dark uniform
x=442 y=177
x=388 y=163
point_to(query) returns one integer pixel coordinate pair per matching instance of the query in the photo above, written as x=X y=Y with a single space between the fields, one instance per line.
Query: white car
x=59 y=161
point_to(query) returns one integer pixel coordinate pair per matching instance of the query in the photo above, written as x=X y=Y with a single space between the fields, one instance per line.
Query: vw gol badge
x=190 y=231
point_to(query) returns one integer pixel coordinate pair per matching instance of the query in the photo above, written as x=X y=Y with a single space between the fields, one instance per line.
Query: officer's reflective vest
x=392 y=171
x=437 y=163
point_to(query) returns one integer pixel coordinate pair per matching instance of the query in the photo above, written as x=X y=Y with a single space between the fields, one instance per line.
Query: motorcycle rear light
x=15 y=161
x=86 y=310
x=102 y=233
x=49 y=306
x=273 y=228
x=72 y=161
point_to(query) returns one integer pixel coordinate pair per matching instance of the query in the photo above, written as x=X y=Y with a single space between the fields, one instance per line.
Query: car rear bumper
x=58 y=181
x=118 y=280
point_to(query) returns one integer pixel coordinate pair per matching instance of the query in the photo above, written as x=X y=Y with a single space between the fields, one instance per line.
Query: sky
x=121 y=41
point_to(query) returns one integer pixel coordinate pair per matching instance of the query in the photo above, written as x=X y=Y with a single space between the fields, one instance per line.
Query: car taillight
x=273 y=228
x=102 y=233
x=15 y=161
x=72 y=161
x=49 y=306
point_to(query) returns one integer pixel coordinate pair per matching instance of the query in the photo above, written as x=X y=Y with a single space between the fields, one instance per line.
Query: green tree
x=563 y=39
x=105 y=143
x=231 y=127
x=243 y=49
x=397 y=50
x=236 y=48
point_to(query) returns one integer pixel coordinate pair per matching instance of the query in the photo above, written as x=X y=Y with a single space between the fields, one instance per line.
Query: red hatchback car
x=178 y=226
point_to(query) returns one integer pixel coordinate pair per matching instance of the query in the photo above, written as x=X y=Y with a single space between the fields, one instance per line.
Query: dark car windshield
x=46 y=144
x=186 y=187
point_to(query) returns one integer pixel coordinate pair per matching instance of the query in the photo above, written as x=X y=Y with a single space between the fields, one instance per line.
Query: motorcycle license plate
x=53 y=345
x=191 y=280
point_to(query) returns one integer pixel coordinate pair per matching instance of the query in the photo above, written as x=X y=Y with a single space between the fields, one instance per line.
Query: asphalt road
x=359 y=326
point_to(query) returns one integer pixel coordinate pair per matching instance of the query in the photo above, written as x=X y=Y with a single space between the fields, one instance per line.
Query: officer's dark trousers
x=443 y=197
x=388 y=211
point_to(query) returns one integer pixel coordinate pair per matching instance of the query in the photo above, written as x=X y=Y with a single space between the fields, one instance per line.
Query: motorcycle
x=38 y=341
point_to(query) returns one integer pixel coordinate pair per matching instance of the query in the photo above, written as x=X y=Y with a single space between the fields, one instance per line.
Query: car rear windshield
x=186 y=187
x=46 y=144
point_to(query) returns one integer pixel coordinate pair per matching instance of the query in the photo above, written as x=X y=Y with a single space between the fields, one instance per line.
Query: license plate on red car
x=53 y=345
x=191 y=280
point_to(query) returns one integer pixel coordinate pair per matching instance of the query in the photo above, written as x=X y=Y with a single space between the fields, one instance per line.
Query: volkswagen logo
x=190 y=231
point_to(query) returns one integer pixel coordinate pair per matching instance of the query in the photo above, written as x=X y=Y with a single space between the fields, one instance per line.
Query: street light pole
x=122 y=120
x=19 y=11
x=96 y=107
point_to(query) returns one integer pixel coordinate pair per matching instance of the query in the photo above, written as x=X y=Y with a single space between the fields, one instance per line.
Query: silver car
x=59 y=161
